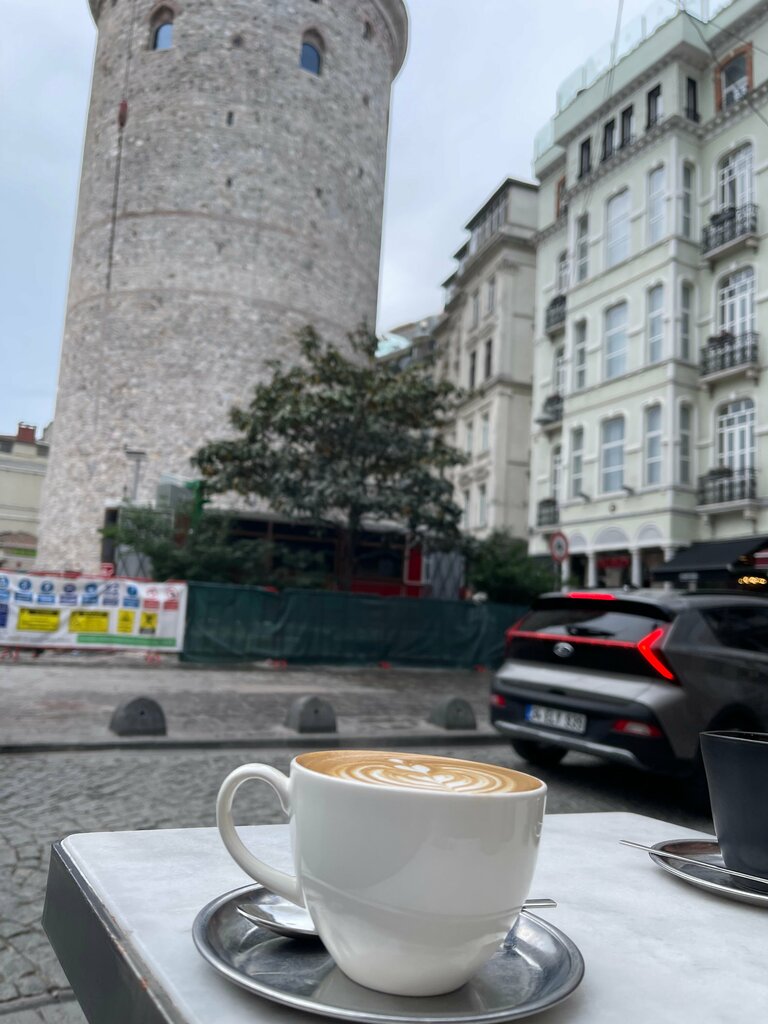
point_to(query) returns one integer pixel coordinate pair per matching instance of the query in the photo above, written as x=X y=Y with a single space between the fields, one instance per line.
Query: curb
x=310 y=741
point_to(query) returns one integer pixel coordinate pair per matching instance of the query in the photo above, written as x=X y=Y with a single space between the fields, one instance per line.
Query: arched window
x=312 y=48
x=736 y=435
x=736 y=303
x=162 y=29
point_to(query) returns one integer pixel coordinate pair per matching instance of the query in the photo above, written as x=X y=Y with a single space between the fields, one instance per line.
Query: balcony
x=554 y=318
x=551 y=412
x=547 y=513
x=726 y=355
x=729 y=229
x=722 y=486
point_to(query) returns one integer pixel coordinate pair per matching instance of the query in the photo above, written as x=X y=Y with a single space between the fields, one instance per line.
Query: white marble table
x=120 y=908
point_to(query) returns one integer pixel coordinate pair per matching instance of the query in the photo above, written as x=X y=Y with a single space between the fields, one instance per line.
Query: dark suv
x=632 y=676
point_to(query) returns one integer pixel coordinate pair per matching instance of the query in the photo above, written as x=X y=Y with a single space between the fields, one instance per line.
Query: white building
x=23 y=461
x=485 y=344
x=650 y=397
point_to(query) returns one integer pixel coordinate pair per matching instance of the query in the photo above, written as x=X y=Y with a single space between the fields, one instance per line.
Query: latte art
x=417 y=771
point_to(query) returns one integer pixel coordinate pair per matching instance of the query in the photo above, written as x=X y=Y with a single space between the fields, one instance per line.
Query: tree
x=341 y=438
x=499 y=566
x=204 y=550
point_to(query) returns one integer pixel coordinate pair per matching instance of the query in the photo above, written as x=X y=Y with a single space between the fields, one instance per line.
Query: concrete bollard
x=311 y=714
x=139 y=717
x=453 y=713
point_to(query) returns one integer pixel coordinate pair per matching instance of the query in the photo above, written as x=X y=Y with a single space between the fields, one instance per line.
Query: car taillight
x=497 y=701
x=589 y=596
x=630 y=728
x=508 y=634
x=646 y=648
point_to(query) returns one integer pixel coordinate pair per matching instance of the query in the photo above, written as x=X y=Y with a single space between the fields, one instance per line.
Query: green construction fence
x=241 y=624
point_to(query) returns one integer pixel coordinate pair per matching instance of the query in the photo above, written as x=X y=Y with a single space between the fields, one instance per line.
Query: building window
x=734 y=78
x=692 y=99
x=560 y=205
x=577 y=462
x=472 y=369
x=580 y=355
x=585 y=157
x=686 y=312
x=653 y=446
x=485 y=432
x=684 y=462
x=311 y=58
x=558 y=371
x=556 y=471
x=482 y=506
x=489 y=359
x=162 y=29
x=609 y=139
x=582 y=247
x=656 y=206
x=687 y=209
x=736 y=435
x=655 y=324
x=561 y=284
x=612 y=455
x=475 y=308
x=491 y=296
x=469 y=437
x=655 y=109
x=616 y=340
x=627 y=126
x=618 y=227
x=734 y=179
x=736 y=303
x=467 y=507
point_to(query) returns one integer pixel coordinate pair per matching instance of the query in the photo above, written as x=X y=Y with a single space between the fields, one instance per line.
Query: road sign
x=558 y=546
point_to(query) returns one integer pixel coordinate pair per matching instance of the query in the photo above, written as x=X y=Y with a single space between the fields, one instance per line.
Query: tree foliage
x=206 y=551
x=500 y=567
x=342 y=438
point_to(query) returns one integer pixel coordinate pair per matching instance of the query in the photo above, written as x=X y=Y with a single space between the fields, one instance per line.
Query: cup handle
x=276 y=881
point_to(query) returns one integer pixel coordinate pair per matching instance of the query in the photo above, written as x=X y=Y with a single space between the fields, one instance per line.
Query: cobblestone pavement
x=46 y=796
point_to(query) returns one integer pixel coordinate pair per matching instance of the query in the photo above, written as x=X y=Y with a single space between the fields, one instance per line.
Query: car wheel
x=543 y=755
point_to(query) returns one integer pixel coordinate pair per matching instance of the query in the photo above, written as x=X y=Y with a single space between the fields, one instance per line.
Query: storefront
x=739 y=564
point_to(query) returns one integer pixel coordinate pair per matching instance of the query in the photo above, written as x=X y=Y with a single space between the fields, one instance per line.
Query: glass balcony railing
x=723 y=485
x=729 y=225
x=729 y=352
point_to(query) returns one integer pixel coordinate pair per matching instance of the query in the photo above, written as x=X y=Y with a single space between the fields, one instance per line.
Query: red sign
x=558 y=546
x=107 y=569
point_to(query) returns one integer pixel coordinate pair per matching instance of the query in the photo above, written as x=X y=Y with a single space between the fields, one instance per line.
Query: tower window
x=311 y=59
x=162 y=29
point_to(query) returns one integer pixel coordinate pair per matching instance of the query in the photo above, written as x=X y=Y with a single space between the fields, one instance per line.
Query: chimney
x=26 y=433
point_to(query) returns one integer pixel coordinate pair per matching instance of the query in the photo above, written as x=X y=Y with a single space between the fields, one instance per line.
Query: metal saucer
x=537 y=967
x=708 y=852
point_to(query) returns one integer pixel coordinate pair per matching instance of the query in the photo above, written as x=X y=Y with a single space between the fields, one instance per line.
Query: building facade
x=232 y=192
x=484 y=341
x=23 y=462
x=650 y=403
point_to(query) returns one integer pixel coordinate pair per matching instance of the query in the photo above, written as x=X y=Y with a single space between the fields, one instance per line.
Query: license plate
x=555 y=718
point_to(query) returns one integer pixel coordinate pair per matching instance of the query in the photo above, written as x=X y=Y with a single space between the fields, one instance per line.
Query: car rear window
x=744 y=627
x=593 y=619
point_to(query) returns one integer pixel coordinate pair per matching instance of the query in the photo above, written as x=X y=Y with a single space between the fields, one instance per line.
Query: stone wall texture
x=241 y=200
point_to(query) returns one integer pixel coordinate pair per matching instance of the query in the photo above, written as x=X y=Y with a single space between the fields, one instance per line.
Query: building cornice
x=552 y=229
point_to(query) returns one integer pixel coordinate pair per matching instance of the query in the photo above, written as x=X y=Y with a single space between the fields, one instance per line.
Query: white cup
x=411 y=889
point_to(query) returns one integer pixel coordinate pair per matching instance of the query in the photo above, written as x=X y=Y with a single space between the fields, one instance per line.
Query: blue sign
x=46 y=599
x=3 y=615
x=47 y=587
x=25 y=584
x=91 y=588
x=68 y=599
x=90 y=598
x=131 y=602
x=21 y=595
x=131 y=590
x=5 y=595
x=70 y=588
x=4 y=581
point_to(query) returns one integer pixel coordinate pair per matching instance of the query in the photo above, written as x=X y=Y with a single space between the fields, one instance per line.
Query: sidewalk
x=65 y=702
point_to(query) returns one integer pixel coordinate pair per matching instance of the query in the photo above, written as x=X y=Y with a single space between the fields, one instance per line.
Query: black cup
x=737 y=775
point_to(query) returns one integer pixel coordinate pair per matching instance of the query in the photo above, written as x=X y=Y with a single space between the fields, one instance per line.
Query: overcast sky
x=479 y=81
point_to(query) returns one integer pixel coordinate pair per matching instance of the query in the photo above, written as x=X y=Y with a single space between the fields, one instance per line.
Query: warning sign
x=125 y=621
x=37 y=620
x=148 y=624
x=89 y=622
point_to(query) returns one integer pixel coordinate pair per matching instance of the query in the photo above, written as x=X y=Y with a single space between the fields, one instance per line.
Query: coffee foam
x=422 y=772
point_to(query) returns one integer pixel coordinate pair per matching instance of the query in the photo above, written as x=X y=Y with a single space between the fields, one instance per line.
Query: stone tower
x=232 y=191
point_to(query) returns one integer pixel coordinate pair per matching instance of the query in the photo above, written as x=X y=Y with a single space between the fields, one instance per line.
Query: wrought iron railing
x=555 y=315
x=551 y=411
x=723 y=485
x=547 y=513
x=729 y=352
x=729 y=225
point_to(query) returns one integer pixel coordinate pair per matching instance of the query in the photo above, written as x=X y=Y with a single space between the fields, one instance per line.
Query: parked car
x=632 y=676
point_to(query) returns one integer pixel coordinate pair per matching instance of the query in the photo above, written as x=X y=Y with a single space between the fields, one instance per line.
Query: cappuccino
x=417 y=771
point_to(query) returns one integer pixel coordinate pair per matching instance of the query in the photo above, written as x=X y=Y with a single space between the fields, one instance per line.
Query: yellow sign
x=148 y=625
x=89 y=622
x=125 y=621
x=38 y=620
